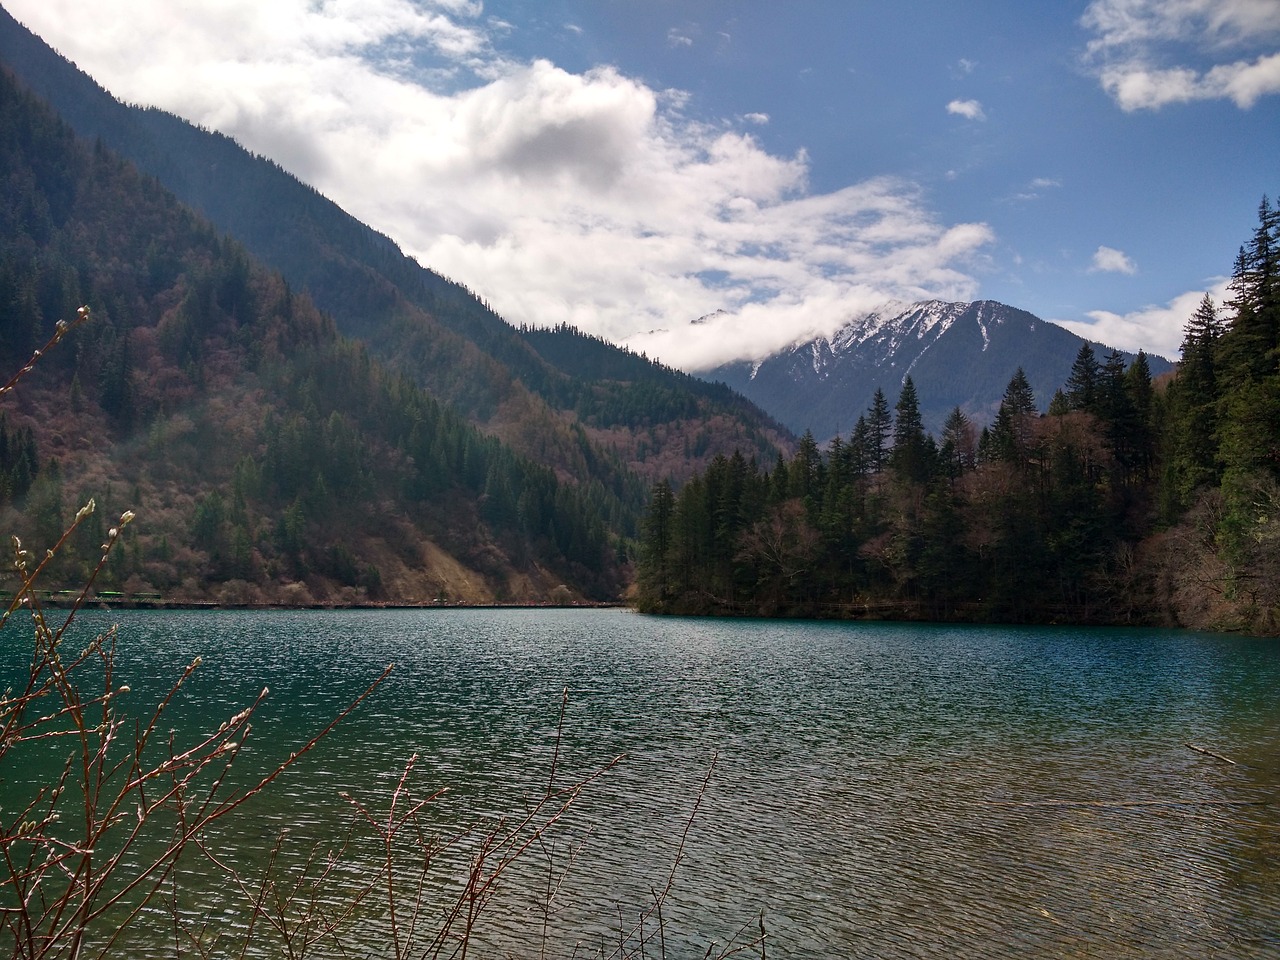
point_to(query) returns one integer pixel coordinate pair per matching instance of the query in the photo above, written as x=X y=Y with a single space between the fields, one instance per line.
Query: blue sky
x=631 y=166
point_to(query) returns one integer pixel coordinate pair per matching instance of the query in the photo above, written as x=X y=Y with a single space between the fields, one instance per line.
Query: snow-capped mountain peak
x=957 y=354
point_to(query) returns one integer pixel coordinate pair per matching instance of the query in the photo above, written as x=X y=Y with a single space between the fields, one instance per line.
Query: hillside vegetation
x=269 y=458
x=617 y=420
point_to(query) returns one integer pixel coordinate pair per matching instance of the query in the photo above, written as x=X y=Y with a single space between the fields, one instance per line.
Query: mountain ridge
x=958 y=354
x=269 y=459
x=422 y=324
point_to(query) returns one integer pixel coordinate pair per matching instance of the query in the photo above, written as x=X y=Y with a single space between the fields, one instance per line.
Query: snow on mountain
x=957 y=354
x=708 y=317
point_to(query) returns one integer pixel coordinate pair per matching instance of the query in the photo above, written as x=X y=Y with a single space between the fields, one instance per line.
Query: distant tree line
x=1128 y=501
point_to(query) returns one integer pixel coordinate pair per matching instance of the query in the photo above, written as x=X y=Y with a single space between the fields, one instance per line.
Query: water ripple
x=876 y=790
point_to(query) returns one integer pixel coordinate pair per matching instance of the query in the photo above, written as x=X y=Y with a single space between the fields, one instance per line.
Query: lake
x=871 y=790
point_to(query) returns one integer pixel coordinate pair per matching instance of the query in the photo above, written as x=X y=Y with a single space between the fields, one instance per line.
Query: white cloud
x=1111 y=260
x=1034 y=190
x=969 y=109
x=1150 y=53
x=677 y=38
x=760 y=119
x=1135 y=88
x=1126 y=24
x=1156 y=329
x=559 y=197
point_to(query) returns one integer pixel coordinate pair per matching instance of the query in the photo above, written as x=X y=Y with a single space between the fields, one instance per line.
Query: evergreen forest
x=1129 y=501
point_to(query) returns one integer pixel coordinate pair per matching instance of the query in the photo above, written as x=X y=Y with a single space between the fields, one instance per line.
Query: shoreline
x=135 y=603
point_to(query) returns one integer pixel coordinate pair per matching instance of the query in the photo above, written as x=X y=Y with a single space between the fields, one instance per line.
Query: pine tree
x=1012 y=433
x=1191 y=458
x=879 y=427
x=1142 y=403
x=959 y=445
x=1198 y=368
x=1082 y=384
x=779 y=482
x=1253 y=349
x=860 y=448
x=1115 y=407
x=1019 y=396
x=909 y=458
x=803 y=473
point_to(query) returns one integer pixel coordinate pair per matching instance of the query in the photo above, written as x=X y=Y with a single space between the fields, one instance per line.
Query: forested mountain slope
x=268 y=458
x=600 y=423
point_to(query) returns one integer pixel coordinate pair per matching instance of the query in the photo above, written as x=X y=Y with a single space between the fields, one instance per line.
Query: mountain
x=957 y=354
x=268 y=457
x=618 y=421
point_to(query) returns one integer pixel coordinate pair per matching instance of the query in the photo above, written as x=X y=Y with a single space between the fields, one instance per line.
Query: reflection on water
x=878 y=790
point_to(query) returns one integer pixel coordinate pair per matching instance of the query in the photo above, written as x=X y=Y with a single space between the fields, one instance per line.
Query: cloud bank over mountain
x=587 y=198
x=565 y=189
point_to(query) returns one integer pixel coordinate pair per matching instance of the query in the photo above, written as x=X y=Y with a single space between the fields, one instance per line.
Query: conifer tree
x=1142 y=403
x=1115 y=406
x=879 y=427
x=959 y=445
x=1253 y=349
x=803 y=474
x=859 y=447
x=1082 y=384
x=779 y=483
x=909 y=458
x=1191 y=460
x=1019 y=396
x=1011 y=433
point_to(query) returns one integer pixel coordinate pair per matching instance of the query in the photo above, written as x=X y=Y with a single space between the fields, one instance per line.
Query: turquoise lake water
x=872 y=790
